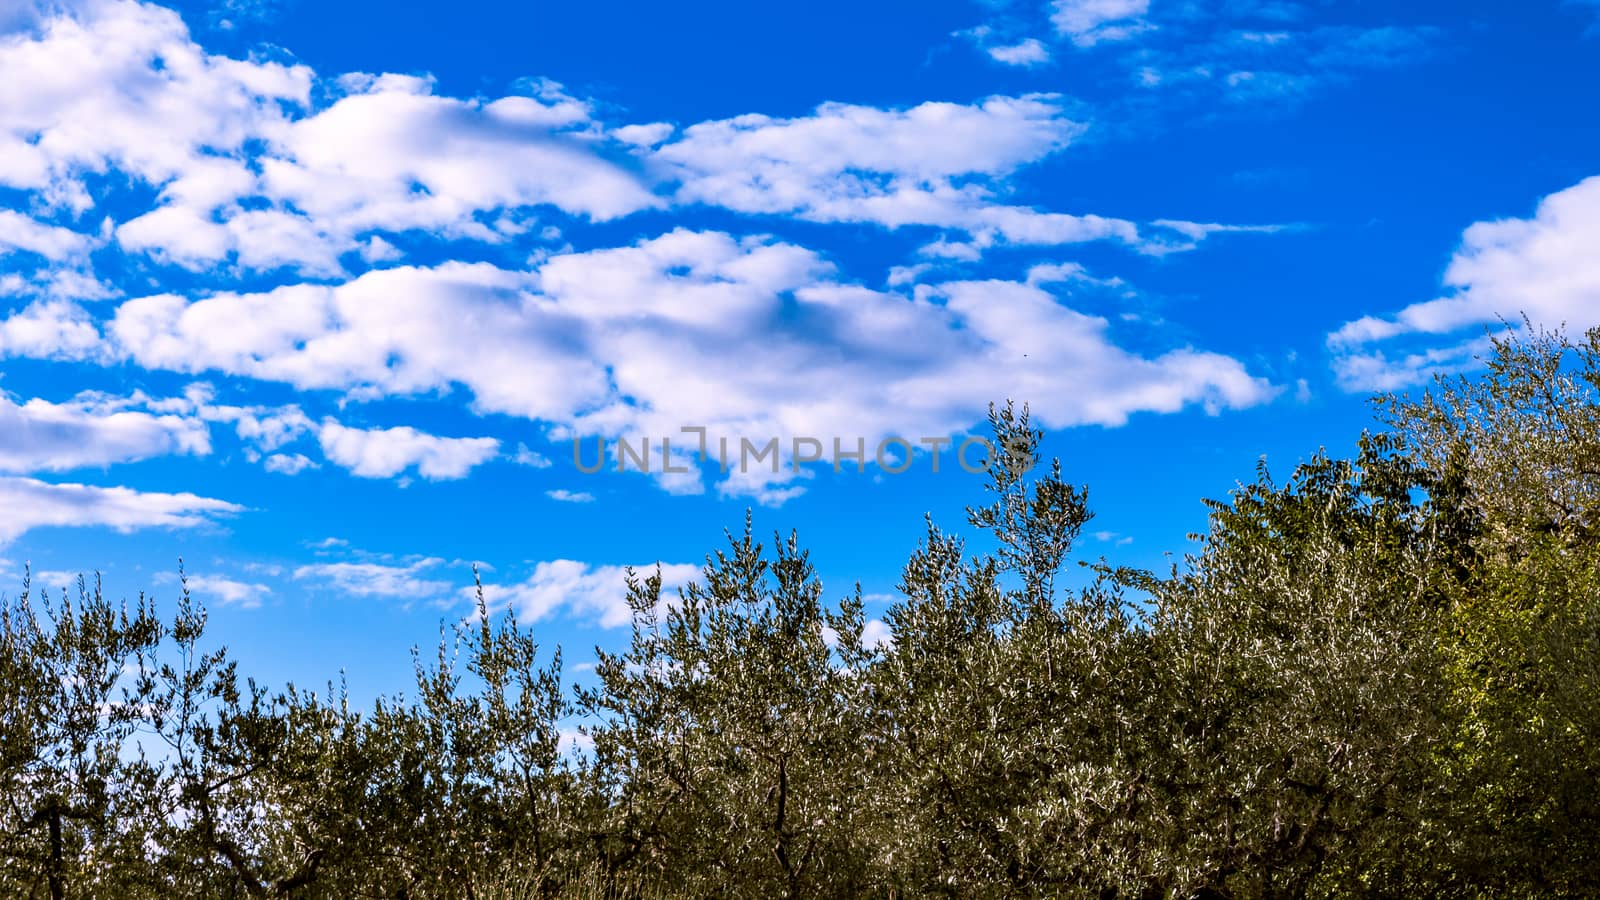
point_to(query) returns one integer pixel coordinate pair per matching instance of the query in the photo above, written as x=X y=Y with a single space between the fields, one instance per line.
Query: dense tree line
x=1378 y=677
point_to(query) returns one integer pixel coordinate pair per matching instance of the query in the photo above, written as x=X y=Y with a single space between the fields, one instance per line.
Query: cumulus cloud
x=1088 y=379
x=1003 y=48
x=227 y=591
x=1028 y=52
x=1381 y=370
x=533 y=459
x=566 y=496
x=261 y=165
x=395 y=331
x=267 y=167
x=287 y=463
x=132 y=64
x=745 y=337
x=1544 y=267
x=29 y=504
x=386 y=452
x=61 y=580
x=392 y=155
x=1090 y=22
x=935 y=164
x=50 y=329
x=377 y=579
x=263 y=427
x=877 y=634
x=40 y=436
x=926 y=143
x=250 y=172
x=595 y=594
x=23 y=233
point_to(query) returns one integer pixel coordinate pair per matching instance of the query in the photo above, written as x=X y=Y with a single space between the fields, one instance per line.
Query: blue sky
x=318 y=296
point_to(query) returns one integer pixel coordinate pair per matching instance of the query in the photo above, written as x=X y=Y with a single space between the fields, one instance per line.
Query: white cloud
x=267 y=428
x=1024 y=52
x=386 y=452
x=1377 y=370
x=925 y=143
x=250 y=172
x=392 y=155
x=20 y=232
x=1027 y=53
x=1090 y=22
x=582 y=591
x=643 y=135
x=80 y=93
x=227 y=591
x=935 y=164
x=69 y=284
x=1544 y=267
x=572 y=742
x=371 y=579
x=395 y=331
x=288 y=463
x=1081 y=377
x=533 y=459
x=50 y=329
x=877 y=634
x=566 y=496
x=1183 y=235
x=61 y=580
x=40 y=436
x=264 y=166
x=1068 y=273
x=1248 y=57
x=750 y=338
x=255 y=239
x=378 y=250
x=30 y=504
x=1246 y=53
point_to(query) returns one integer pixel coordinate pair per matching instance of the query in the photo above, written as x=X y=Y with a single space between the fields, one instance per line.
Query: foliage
x=1525 y=648
x=1377 y=677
